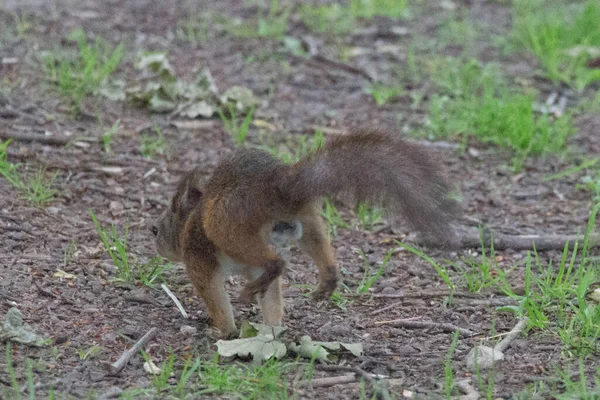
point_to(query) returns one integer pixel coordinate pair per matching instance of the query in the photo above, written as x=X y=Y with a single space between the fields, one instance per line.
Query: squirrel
x=253 y=203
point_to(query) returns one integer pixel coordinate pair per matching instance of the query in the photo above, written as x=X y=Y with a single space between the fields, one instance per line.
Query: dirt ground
x=296 y=95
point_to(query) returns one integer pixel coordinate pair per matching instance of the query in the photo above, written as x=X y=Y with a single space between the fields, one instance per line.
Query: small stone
x=486 y=357
x=96 y=287
x=115 y=208
x=110 y=337
x=188 y=330
x=473 y=152
x=151 y=368
x=406 y=350
x=415 y=270
x=595 y=295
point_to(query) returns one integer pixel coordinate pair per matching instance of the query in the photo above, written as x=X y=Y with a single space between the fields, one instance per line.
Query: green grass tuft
x=82 y=76
x=152 y=145
x=475 y=102
x=38 y=190
x=238 y=131
x=368 y=280
x=562 y=36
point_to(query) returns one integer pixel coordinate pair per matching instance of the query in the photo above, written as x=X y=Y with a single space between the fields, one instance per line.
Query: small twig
x=381 y=229
x=8 y=297
x=516 y=331
x=139 y=199
x=126 y=356
x=431 y=295
x=140 y=298
x=16 y=229
x=379 y=387
x=49 y=293
x=175 y=300
x=437 y=145
x=389 y=307
x=395 y=321
x=345 y=67
x=444 y=326
x=328 y=131
x=112 y=393
x=40 y=386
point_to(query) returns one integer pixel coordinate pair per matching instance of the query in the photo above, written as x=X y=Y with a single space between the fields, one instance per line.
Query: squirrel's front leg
x=209 y=282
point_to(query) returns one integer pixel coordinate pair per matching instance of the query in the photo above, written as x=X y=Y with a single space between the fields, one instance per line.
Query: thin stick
x=332 y=380
x=518 y=242
x=468 y=298
x=444 y=326
x=381 y=229
x=389 y=307
x=49 y=293
x=395 y=321
x=126 y=356
x=32 y=137
x=175 y=300
x=379 y=387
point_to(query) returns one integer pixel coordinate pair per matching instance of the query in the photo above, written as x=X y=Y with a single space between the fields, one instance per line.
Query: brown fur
x=251 y=192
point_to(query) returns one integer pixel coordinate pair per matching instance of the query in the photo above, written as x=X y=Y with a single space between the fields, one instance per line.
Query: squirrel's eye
x=154 y=230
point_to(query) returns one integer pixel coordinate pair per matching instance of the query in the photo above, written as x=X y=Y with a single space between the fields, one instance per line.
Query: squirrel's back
x=252 y=188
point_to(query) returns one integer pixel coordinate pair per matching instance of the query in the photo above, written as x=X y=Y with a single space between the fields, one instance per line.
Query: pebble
x=188 y=330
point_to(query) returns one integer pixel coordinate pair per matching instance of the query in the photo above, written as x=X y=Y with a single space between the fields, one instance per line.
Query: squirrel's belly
x=284 y=232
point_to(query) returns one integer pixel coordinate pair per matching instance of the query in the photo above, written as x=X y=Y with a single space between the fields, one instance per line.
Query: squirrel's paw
x=323 y=292
x=214 y=333
x=327 y=285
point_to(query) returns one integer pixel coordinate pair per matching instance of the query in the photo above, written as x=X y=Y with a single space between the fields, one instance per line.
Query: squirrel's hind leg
x=255 y=252
x=271 y=301
x=315 y=243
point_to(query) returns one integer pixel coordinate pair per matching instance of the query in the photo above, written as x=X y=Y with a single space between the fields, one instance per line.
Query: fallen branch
x=126 y=356
x=32 y=137
x=518 y=242
x=333 y=380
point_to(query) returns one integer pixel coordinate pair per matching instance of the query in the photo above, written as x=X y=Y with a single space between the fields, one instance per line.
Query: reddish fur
x=251 y=192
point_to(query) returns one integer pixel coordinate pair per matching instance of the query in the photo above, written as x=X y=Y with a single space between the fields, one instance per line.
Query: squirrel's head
x=169 y=226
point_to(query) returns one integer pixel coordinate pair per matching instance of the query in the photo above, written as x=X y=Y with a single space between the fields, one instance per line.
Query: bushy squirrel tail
x=379 y=168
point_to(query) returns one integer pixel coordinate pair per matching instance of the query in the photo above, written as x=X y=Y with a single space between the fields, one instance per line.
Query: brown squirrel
x=253 y=202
